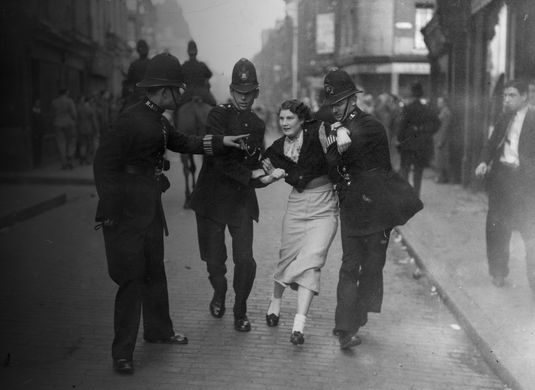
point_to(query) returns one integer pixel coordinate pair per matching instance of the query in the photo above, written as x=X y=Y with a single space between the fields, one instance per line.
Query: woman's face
x=290 y=123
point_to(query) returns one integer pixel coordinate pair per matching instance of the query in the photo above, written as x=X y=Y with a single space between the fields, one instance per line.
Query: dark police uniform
x=127 y=171
x=225 y=197
x=373 y=200
x=196 y=75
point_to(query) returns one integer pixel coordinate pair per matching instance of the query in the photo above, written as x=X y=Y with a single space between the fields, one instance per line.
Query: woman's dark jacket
x=311 y=162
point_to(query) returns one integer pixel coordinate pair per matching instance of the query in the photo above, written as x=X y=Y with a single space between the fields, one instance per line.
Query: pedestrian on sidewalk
x=128 y=176
x=224 y=196
x=64 y=121
x=87 y=129
x=417 y=125
x=442 y=141
x=508 y=164
x=311 y=217
x=373 y=200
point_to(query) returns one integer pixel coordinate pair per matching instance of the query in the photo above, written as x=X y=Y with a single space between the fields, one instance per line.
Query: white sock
x=299 y=323
x=275 y=306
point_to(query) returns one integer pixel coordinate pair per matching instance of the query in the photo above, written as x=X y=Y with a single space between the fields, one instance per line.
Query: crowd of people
x=349 y=166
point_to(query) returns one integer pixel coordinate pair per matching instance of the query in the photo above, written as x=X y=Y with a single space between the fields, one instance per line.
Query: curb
x=32 y=211
x=486 y=350
x=47 y=180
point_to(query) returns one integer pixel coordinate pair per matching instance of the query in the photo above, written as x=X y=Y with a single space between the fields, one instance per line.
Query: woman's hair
x=297 y=107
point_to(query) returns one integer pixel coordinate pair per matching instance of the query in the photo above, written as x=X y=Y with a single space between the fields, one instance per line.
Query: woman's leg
x=275 y=304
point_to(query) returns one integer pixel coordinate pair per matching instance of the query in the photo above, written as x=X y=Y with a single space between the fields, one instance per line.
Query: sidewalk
x=447 y=239
x=24 y=195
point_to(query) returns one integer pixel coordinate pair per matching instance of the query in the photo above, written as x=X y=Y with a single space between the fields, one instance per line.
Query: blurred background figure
x=103 y=107
x=366 y=103
x=64 y=122
x=136 y=73
x=87 y=129
x=197 y=78
x=38 y=129
x=387 y=111
x=442 y=141
x=531 y=94
x=415 y=137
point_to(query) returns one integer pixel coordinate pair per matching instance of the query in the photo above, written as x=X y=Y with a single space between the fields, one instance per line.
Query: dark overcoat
x=311 y=162
x=138 y=141
x=417 y=125
x=225 y=190
x=373 y=197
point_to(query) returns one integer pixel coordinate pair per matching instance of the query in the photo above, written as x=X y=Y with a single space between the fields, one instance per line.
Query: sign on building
x=325 y=33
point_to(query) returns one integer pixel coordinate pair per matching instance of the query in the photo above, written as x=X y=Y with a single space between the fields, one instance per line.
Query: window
x=424 y=13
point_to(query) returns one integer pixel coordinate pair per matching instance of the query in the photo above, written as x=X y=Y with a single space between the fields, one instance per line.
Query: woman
x=311 y=217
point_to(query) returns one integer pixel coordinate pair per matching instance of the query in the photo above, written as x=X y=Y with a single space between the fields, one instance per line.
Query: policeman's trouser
x=135 y=263
x=360 y=283
x=214 y=253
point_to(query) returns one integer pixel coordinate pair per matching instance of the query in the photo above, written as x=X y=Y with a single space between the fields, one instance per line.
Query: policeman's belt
x=142 y=171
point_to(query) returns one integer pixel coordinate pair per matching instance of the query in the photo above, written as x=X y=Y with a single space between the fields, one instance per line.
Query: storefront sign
x=325 y=33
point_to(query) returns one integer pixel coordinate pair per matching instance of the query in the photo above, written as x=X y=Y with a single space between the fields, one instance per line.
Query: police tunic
x=129 y=183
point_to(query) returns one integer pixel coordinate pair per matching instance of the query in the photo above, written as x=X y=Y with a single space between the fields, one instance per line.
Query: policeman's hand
x=257 y=173
x=343 y=140
x=235 y=141
x=268 y=166
x=482 y=170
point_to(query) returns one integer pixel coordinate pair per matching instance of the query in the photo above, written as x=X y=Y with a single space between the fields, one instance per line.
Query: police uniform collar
x=153 y=106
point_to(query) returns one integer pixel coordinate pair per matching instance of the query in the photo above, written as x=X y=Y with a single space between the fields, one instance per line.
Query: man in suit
x=128 y=175
x=373 y=199
x=508 y=162
x=224 y=196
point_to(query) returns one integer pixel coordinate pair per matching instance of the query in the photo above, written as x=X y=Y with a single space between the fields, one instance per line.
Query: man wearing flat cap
x=224 y=196
x=373 y=199
x=129 y=179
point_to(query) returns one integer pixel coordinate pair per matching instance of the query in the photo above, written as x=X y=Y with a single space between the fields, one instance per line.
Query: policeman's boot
x=217 y=304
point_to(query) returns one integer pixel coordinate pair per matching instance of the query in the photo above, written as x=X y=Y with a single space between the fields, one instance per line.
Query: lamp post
x=292 y=10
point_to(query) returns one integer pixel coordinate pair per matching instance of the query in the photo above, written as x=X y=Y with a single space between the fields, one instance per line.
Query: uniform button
x=300 y=177
x=246 y=124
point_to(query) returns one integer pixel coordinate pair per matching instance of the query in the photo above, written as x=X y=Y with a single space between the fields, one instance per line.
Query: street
x=56 y=301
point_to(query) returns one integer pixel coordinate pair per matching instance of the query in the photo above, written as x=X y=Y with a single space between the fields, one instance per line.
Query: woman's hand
x=268 y=166
x=278 y=173
x=275 y=175
x=343 y=140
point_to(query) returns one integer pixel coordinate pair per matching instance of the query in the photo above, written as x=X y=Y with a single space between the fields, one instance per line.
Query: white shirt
x=510 y=150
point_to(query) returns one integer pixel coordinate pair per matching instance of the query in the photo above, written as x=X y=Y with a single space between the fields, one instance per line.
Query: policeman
x=129 y=180
x=373 y=199
x=136 y=72
x=197 y=76
x=225 y=197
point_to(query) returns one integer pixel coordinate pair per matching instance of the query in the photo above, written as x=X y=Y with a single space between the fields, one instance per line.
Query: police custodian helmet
x=244 y=77
x=163 y=70
x=338 y=85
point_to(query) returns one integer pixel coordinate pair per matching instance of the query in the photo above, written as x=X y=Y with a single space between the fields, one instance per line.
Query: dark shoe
x=177 y=338
x=242 y=324
x=348 y=340
x=217 y=307
x=272 y=320
x=336 y=332
x=297 y=338
x=123 y=366
x=498 y=281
